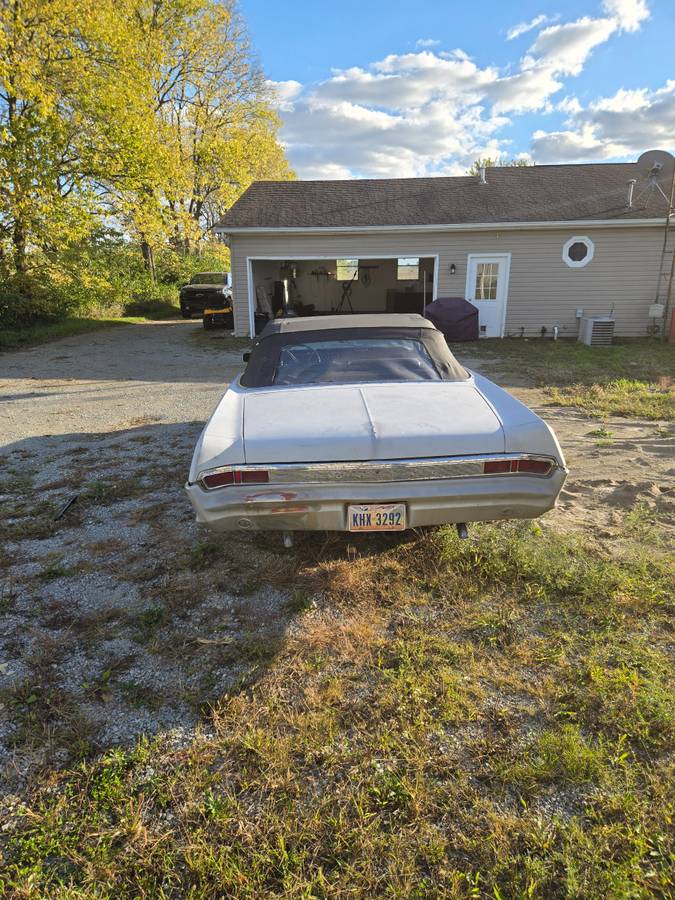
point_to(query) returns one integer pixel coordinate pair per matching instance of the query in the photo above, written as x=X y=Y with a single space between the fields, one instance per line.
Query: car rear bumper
x=218 y=318
x=323 y=507
x=199 y=304
x=195 y=305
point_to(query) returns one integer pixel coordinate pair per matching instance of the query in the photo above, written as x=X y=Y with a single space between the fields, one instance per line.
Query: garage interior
x=310 y=287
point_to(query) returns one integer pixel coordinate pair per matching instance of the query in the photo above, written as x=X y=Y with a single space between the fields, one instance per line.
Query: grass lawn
x=634 y=377
x=482 y=718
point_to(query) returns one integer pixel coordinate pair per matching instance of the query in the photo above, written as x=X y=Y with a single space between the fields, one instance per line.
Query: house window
x=486 y=281
x=346 y=269
x=408 y=268
x=578 y=252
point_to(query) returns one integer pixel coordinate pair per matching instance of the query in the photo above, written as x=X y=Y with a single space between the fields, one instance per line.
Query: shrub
x=103 y=276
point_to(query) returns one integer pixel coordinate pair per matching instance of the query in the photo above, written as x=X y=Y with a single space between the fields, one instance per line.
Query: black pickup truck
x=210 y=290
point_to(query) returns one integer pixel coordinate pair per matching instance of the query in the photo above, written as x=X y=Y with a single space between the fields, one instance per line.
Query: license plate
x=376 y=517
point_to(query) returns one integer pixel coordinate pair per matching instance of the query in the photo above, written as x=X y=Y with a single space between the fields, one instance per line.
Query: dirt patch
x=616 y=464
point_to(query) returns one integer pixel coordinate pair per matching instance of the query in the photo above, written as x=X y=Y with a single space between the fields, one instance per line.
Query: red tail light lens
x=235 y=476
x=534 y=466
x=253 y=476
x=218 y=479
x=530 y=466
x=497 y=466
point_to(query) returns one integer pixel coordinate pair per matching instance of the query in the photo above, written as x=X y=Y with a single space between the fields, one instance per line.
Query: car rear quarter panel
x=221 y=442
x=524 y=430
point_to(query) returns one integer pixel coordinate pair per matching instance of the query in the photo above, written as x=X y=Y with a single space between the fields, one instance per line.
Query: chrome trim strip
x=386 y=470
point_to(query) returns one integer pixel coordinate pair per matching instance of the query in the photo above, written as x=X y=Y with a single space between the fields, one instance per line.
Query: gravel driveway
x=120 y=617
x=110 y=380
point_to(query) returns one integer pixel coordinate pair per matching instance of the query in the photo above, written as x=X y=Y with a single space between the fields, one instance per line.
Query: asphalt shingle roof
x=512 y=194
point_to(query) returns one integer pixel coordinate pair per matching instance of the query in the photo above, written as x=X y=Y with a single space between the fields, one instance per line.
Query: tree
x=72 y=107
x=144 y=118
x=214 y=110
x=498 y=161
x=41 y=57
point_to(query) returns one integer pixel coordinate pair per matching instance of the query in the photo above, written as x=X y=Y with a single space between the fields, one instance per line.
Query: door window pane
x=486 y=281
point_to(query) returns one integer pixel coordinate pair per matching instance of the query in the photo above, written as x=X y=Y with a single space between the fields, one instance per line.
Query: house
x=533 y=248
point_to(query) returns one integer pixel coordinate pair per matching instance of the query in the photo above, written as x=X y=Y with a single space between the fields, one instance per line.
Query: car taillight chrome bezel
x=241 y=476
x=380 y=471
x=519 y=465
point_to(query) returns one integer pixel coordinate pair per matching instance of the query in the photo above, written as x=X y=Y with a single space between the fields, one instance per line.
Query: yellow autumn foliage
x=125 y=126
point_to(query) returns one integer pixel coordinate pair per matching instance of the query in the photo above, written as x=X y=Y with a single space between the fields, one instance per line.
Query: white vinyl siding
x=543 y=291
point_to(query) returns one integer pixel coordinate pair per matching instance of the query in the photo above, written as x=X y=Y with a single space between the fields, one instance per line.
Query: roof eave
x=463 y=226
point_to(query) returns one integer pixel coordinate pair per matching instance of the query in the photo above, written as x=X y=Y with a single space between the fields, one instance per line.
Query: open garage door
x=315 y=287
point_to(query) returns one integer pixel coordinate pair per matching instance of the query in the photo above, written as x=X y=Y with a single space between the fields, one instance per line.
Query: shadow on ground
x=121 y=616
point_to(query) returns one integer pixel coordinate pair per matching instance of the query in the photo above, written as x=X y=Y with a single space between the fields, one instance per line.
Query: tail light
x=534 y=466
x=498 y=466
x=218 y=479
x=252 y=476
x=234 y=476
x=529 y=466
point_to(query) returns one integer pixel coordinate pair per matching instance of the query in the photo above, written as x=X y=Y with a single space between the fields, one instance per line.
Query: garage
x=320 y=286
x=499 y=240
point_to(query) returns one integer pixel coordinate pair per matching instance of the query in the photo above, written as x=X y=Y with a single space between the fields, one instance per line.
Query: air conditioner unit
x=596 y=331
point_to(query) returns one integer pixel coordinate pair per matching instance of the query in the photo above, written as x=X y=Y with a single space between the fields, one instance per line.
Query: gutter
x=464 y=226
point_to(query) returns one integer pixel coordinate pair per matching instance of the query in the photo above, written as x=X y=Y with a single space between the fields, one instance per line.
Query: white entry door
x=487 y=282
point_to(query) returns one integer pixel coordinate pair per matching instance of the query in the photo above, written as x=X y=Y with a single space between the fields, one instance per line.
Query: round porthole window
x=578 y=252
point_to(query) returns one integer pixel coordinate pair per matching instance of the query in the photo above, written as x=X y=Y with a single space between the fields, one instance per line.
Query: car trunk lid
x=369 y=422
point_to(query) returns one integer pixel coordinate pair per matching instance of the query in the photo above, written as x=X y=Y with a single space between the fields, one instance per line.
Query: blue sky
x=385 y=89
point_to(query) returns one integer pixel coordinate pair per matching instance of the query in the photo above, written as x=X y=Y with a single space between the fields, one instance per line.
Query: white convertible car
x=368 y=423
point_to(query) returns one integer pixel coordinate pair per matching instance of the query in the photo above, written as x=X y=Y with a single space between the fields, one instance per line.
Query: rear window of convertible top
x=357 y=360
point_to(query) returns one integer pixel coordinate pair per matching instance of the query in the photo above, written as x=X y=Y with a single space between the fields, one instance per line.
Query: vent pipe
x=481 y=175
x=631 y=187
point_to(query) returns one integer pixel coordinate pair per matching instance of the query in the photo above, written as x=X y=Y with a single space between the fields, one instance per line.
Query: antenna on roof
x=652 y=166
x=655 y=164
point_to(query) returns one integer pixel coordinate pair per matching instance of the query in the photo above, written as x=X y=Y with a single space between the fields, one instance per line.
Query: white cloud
x=284 y=92
x=569 y=105
x=330 y=172
x=628 y=13
x=408 y=81
x=527 y=91
x=427 y=42
x=571 y=146
x=524 y=27
x=621 y=125
x=434 y=112
x=564 y=49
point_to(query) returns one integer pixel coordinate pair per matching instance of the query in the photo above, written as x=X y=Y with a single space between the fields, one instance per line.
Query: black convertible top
x=357 y=320
x=280 y=333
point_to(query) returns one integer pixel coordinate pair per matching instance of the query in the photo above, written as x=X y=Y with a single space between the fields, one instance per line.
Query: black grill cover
x=455 y=317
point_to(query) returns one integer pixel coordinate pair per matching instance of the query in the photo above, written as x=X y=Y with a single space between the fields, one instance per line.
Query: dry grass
x=489 y=718
x=400 y=716
x=633 y=378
